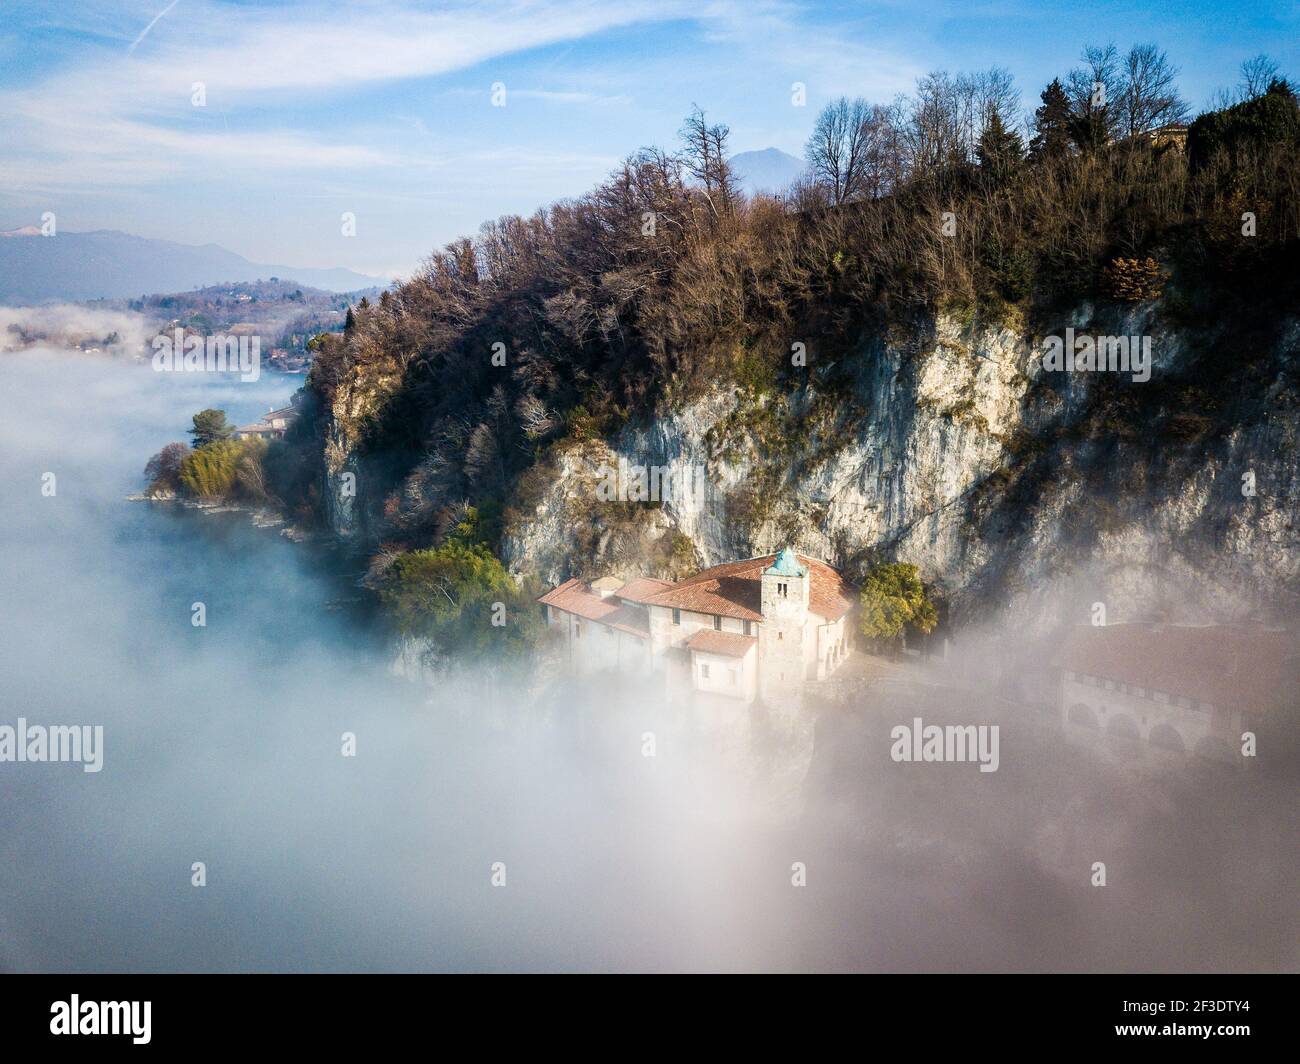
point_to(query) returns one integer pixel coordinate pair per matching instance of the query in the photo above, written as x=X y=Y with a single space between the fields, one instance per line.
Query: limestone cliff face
x=356 y=401
x=950 y=447
x=954 y=454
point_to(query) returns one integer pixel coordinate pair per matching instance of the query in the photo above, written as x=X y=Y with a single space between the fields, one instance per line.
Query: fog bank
x=223 y=746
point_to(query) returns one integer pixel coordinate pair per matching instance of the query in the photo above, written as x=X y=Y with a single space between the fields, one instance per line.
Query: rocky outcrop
x=357 y=400
x=952 y=450
x=948 y=445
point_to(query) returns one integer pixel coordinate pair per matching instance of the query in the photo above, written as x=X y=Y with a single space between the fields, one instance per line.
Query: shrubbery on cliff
x=460 y=602
x=1270 y=119
x=893 y=600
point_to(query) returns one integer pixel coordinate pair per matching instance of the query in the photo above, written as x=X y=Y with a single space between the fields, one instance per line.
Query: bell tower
x=784 y=605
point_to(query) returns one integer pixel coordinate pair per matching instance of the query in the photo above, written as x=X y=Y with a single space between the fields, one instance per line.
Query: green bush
x=225 y=468
x=1011 y=269
x=1271 y=119
x=893 y=598
x=452 y=597
x=209 y=471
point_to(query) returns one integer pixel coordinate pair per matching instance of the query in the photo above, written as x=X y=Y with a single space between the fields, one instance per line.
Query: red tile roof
x=642 y=588
x=735 y=590
x=728 y=644
x=1250 y=669
x=573 y=597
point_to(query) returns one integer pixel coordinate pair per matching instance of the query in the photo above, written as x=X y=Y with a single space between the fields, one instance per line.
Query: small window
x=677 y=616
x=780 y=635
x=704 y=671
x=781 y=588
x=717 y=622
x=577 y=629
x=749 y=627
x=732 y=673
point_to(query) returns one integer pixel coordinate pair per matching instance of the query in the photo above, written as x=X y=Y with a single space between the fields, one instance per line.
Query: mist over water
x=222 y=745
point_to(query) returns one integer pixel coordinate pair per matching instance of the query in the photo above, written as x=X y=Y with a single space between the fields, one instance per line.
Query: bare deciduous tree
x=836 y=151
x=534 y=418
x=934 y=134
x=883 y=153
x=983 y=97
x=1095 y=90
x=1257 y=73
x=1149 y=98
x=704 y=154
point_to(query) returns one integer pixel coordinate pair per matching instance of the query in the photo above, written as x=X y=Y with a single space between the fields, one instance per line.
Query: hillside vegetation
x=665 y=283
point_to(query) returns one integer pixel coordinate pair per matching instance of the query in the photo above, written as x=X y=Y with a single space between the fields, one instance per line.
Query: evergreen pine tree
x=1000 y=150
x=1051 y=124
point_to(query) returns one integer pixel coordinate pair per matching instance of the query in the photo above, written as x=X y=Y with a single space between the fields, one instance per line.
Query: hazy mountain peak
x=110 y=264
x=766 y=170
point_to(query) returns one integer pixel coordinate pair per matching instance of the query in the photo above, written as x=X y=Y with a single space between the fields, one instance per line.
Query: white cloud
x=545 y=95
x=111 y=134
x=127 y=117
x=828 y=61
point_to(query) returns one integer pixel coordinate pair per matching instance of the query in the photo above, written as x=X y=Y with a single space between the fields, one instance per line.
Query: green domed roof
x=786 y=564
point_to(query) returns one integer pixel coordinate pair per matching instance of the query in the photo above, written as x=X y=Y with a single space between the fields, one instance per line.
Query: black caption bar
x=140 y=1013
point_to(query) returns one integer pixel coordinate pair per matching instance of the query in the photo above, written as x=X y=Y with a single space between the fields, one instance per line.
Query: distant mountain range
x=107 y=264
x=769 y=170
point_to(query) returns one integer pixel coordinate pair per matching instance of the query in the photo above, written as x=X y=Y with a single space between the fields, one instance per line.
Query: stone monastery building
x=758 y=628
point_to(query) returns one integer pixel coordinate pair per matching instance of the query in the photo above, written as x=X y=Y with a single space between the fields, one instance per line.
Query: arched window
x=1166 y=737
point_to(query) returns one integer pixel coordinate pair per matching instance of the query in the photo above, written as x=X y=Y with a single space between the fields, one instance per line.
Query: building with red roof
x=764 y=626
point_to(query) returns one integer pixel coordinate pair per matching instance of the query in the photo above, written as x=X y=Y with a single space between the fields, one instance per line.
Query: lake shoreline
x=260 y=516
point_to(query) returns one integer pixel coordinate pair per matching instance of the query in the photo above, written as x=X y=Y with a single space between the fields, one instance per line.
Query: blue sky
x=384 y=108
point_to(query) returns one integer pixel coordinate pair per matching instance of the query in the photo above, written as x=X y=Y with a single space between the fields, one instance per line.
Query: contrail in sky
x=145 y=32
